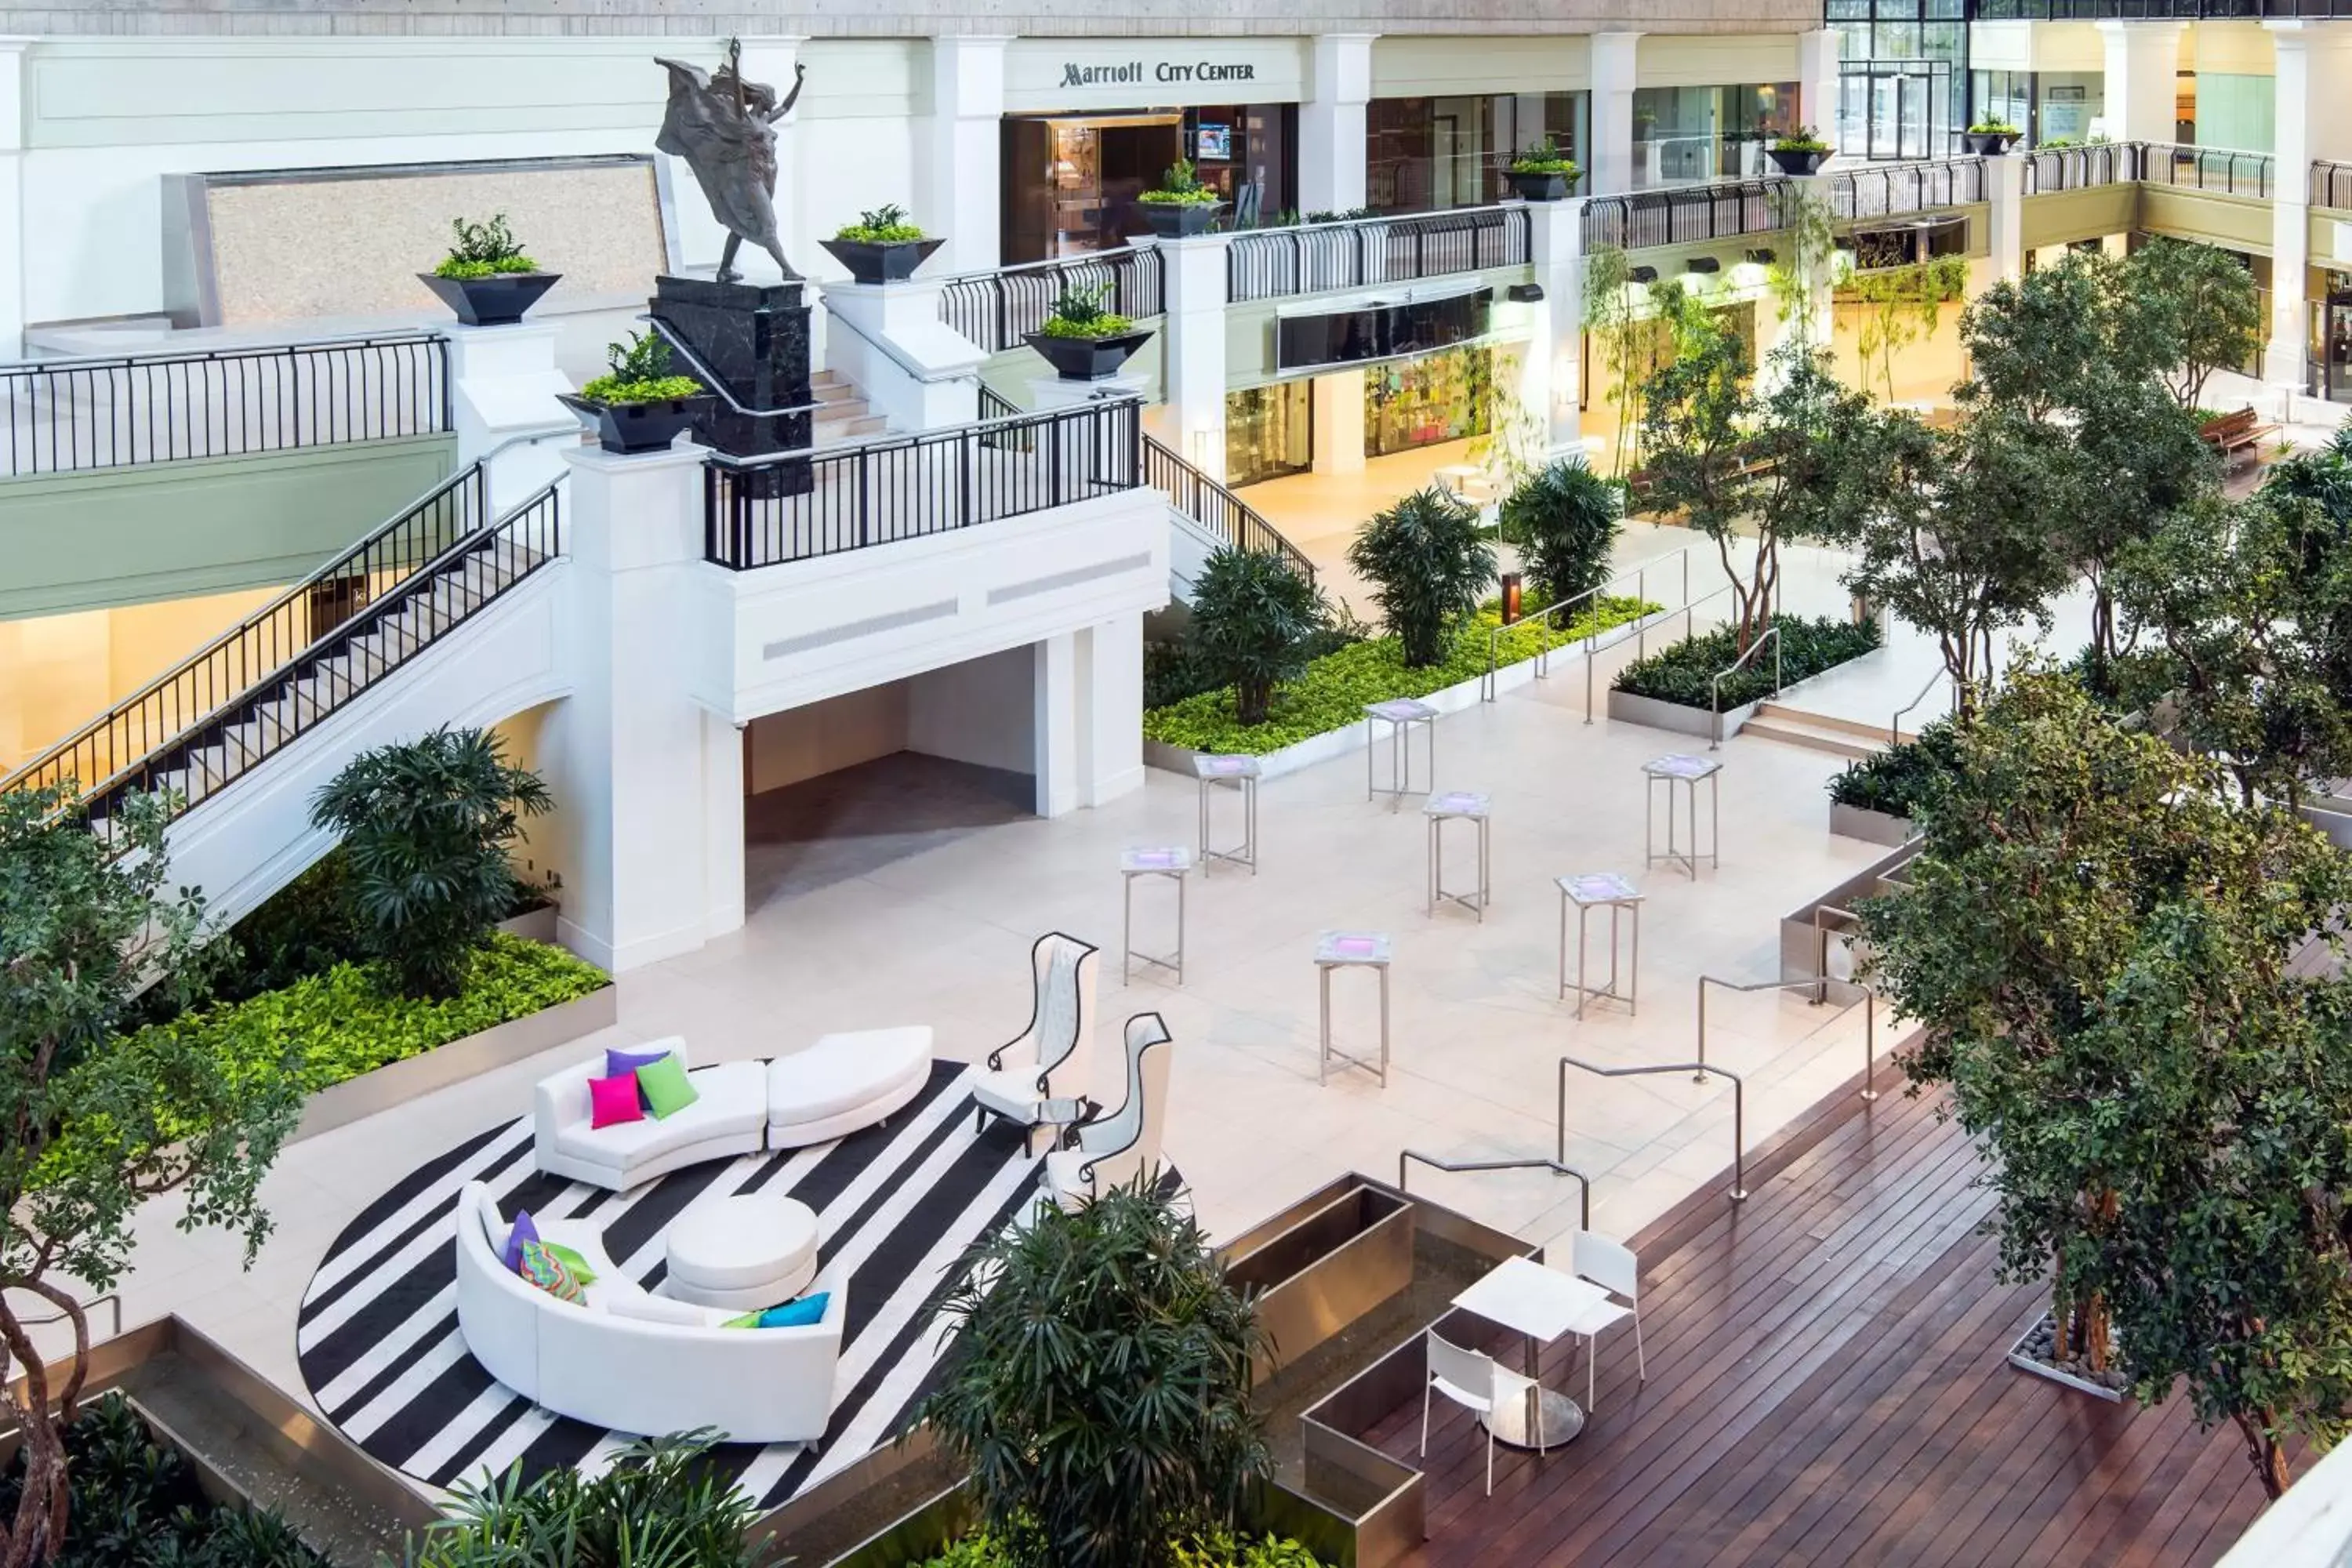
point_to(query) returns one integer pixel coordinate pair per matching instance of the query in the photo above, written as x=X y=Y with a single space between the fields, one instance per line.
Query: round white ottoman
x=756 y=1250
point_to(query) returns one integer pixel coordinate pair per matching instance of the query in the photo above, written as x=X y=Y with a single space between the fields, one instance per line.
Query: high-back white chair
x=1612 y=1266
x=1047 y=1057
x=1110 y=1150
x=1473 y=1380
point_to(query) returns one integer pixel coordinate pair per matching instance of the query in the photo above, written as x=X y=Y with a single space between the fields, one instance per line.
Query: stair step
x=830 y=430
x=1860 y=729
x=836 y=391
x=1805 y=729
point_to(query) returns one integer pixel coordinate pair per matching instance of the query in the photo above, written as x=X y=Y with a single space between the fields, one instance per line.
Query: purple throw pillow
x=625 y=1064
x=523 y=1230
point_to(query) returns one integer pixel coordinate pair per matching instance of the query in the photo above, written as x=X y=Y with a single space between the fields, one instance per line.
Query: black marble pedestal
x=754 y=338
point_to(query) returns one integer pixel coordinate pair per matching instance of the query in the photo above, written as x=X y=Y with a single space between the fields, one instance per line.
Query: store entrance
x=1440 y=397
x=1071 y=181
x=2336 y=347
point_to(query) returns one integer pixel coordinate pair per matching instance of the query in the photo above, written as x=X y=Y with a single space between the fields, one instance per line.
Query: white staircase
x=1818 y=731
x=844 y=415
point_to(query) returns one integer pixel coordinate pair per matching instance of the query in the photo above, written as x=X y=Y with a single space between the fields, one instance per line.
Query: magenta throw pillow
x=613 y=1100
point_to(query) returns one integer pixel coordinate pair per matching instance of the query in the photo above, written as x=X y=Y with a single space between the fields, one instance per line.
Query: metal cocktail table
x=1686 y=771
x=1174 y=861
x=1240 y=774
x=1346 y=949
x=1590 y=892
x=1459 y=805
x=1399 y=714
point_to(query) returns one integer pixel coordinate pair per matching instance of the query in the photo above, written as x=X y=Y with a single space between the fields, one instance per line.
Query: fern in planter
x=1182 y=186
x=1429 y=564
x=1565 y=520
x=1685 y=672
x=1253 y=626
x=1080 y=314
x=885 y=224
x=484 y=250
x=639 y=372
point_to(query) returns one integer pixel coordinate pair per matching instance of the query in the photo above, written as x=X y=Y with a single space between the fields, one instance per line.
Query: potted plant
x=1544 y=173
x=485 y=278
x=1084 y=342
x=1182 y=207
x=1799 y=152
x=1991 y=137
x=881 y=247
x=639 y=406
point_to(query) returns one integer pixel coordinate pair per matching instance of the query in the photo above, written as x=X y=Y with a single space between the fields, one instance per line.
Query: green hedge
x=1897 y=779
x=348 y=1021
x=1683 y=673
x=1331 y=695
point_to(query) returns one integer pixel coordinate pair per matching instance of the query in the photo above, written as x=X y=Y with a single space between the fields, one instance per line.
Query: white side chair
x=1112 y=1150
x=1472 y=1380
x=1022 y=1072
x=1611 y=1266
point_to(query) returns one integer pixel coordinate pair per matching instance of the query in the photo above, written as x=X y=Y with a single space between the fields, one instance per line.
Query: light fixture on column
x=1510 y=597
x=1643 y=275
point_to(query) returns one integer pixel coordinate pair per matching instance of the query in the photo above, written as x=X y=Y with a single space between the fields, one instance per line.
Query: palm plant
x=1428 y=565
x=426 y=825
x=1098 y=1387
x=1253 y=623
x=1565 y=519
x=661 y=1505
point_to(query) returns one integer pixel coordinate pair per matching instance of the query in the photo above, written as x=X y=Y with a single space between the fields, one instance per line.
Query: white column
x=963 y=170
x=12 y=197
x=1555 y=358
x=502 y=384
x=1054 y=733
x=2314 y=120
x=1110 y=709
x=2143 y=70
x=643 y=773
x=1339 y=402
x=1331 y=124
x=1613 y=75
x=1192 y=348
x=1817 y=83
x=918 y=371
x=2005 y=194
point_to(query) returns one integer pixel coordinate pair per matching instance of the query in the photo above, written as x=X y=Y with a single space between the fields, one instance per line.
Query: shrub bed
x=1331 y=695
x=1216 y=1549
x=350 y=1020
x=1896 y=780
x=136 y=1504
x=1685 y=672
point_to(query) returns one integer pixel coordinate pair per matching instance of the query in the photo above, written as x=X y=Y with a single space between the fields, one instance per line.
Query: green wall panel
x=94 y=541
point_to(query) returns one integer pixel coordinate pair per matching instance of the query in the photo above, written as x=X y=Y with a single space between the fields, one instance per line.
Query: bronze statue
x=720 y=124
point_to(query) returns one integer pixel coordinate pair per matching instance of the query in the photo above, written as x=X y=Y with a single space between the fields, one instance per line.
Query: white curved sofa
x=731 y=1118
x=631 y=1360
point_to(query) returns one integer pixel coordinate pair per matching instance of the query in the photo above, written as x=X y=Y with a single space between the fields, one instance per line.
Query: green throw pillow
x=665 y=1088
x=572 y=1260
x=748 y=1320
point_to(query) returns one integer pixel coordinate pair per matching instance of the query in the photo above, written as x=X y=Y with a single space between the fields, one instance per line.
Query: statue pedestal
x=754 y=338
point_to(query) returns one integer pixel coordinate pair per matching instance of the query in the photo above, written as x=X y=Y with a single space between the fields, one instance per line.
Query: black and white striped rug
x=896 y=1205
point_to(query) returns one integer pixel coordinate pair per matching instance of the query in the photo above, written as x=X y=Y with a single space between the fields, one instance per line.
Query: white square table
x=1543 y=1304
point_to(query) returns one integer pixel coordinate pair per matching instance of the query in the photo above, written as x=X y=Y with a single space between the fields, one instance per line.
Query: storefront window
x=1425 y=154
x=1071 y=180
x=1249 y=154
x=1682 y=134
x=1903 y=86
x=1269 y=432
x=2003 y=96
x=1448 y=396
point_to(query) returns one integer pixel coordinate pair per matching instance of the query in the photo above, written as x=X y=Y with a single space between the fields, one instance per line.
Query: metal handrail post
x=1584 y=1207
x=1738 y=1192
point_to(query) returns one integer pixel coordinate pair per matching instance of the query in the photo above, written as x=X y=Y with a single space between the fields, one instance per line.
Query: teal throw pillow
x=797 y=1314
x=665 y=1088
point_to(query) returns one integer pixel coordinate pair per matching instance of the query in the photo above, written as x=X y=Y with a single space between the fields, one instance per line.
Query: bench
x=2233 y=433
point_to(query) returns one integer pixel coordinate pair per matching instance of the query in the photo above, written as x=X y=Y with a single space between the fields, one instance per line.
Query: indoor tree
x=1428 y=564
x=96 y=1117
x=1899 y=306
x=2102 y=949
x=1564 y=519
x=1253 y=623
x=1098 y=1385
x=2203 y=308
x=1609 y=318
x=426 y=825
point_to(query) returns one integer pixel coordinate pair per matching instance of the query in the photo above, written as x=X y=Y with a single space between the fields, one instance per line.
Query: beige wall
x=825 y=737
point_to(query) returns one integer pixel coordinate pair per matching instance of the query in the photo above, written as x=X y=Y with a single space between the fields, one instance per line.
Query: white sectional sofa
x=631 y=1360
x=730 y=1118
x=844 y=1082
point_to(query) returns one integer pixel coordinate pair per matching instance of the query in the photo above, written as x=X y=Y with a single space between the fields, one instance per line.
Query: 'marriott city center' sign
x=1076 y=75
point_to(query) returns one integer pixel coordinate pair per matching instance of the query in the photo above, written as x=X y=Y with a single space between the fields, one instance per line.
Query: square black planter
x=890 y=262
x=498 y=300
x=1789 y=162
x=1989 y=143
x=630 y=429
x=1180 y=220
x=1087 y=359
x=1540 y=187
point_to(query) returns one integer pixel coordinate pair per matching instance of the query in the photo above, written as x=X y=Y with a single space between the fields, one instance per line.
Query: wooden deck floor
x=1827 y=1385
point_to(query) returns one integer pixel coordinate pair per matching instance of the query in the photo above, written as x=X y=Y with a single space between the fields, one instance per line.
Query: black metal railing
x=1888 y=189
x=996 y=310
x=75 y=416
x=2151 y=10
x=1309 y=259
x=766 y=511
x=1216 y=508
x=1682 y=213
x=2218 y=169
x=281 y=672
x=2331 y=184
x=2056 y=169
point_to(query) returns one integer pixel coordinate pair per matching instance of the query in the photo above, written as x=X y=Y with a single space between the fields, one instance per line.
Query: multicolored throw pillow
x=547 y=1271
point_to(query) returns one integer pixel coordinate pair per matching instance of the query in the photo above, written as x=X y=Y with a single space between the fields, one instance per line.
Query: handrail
x=1554 y=1166
x=1895 y=725
x=1249 y=523
x=113 y=1299
x=1114 y=255
x=905 y=438
x=1820 y=987
x=2223 y=169
x=711 y=379
x=1277 y=263
x=1640 y=573
x=1715 y=683
x=234 y=350
x=838 y=319
x=1738 y=1110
